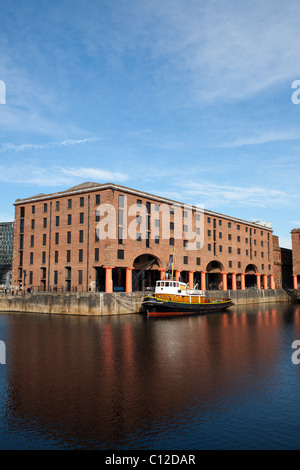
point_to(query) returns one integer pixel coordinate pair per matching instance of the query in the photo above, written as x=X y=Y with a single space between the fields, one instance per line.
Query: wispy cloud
x=266 y=137
x=56 y=176
x=230 y=195
x=47 y=145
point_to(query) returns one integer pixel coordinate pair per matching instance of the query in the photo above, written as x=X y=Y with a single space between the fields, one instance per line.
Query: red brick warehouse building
x=295 y=234
x=105 y=237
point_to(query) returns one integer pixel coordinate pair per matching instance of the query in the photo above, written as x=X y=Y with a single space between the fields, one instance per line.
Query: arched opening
x=250 y=276
x=214 y=276
x=145 y=272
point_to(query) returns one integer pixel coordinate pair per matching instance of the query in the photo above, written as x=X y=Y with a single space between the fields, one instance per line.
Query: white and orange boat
x=177 y=298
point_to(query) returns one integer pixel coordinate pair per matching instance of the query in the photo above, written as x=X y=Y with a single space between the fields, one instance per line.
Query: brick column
x=191 y=279
x=265 y=281
x=258 y=280
x=243 y=284
x=233 y=281
x=177 y=275
x=272 y=281
x=295 y=281
x=224 y=280
x=203 y=280
x=129 y=279
x=162 y=273
x=108 y=279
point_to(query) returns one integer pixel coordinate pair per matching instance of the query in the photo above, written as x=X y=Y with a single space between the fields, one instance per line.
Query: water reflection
x=96 y=382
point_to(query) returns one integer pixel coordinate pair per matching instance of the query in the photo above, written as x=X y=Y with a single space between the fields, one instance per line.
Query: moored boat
x=177 y=298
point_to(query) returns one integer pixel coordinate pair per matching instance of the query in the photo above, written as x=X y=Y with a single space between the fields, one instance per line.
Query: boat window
x=174 y=284
x=167 y=284
x=158 y=284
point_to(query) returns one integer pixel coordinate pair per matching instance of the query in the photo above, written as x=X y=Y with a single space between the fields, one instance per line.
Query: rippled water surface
x=221 y=381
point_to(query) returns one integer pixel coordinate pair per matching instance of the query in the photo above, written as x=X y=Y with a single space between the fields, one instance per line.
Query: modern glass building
x=6 y=251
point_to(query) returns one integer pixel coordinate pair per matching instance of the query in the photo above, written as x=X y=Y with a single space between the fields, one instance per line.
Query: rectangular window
x=121 y=202
x=230 y=264
x=22 y=212
x=81 y=217
x=57 y=221
x=80 y=236
x=56 y=257
x=198 y=217
x=156 y=207
x=80 y=277
x=97 y=199
x=57 y=205
x=171 y=242
x=198 y=261
x=120 y=254
x=185 y=214
x=68 y=256
x=97 y=216
x=229 y=249
x=43 y=257
x=238 y=251
x=44 y=239
x=32 y=241
x=220 y=248
x=81 y=202
x=32 y=224
x=33 y=209
x=262 y=267
x=69 y=219
x=80 y=256
x=238 y=238
x=68 y=238
x=30 y=258
x=56 y=238
x=239 y=264
x=209 y=247
x=55 y=278
x=229 y=224
x=96 y=235
x=171 y=225
x=30 y=277
x=185 y=228
x=185 y=243
x=120 y=235
x=45 y=223
x=45 y=207
x=238 y=227
x=156 y=240
x=96 y=254
x=185 y=260
x=197 y=245
x=208 y=220
x=69 y=203
x=138 y=237
x=139 y=202
x=22 y=226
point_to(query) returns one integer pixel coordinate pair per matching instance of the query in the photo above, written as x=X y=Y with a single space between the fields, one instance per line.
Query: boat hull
x=155 y=307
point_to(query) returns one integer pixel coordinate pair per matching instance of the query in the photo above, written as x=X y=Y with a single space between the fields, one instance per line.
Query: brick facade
x=295 y=234
x=58 y=243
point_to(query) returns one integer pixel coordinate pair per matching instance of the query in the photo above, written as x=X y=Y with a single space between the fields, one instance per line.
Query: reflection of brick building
x=283 y=265
x=6 y=251
x=57 y=243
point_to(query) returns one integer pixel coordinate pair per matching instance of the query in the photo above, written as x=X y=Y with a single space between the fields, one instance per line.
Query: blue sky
x=188 y=99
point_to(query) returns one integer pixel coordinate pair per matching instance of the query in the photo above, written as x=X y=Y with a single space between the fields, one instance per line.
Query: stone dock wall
x=101 y=303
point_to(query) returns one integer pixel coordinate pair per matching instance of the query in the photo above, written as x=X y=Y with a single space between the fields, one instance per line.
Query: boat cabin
x=175 y=288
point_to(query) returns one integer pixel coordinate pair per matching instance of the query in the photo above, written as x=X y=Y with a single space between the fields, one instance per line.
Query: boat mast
x=173 y=260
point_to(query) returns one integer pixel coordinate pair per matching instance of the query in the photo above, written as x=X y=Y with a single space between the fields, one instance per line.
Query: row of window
x=55 y=277
x=209 y=248
x=238 y=226
x=57 y=205
x=229 y=236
